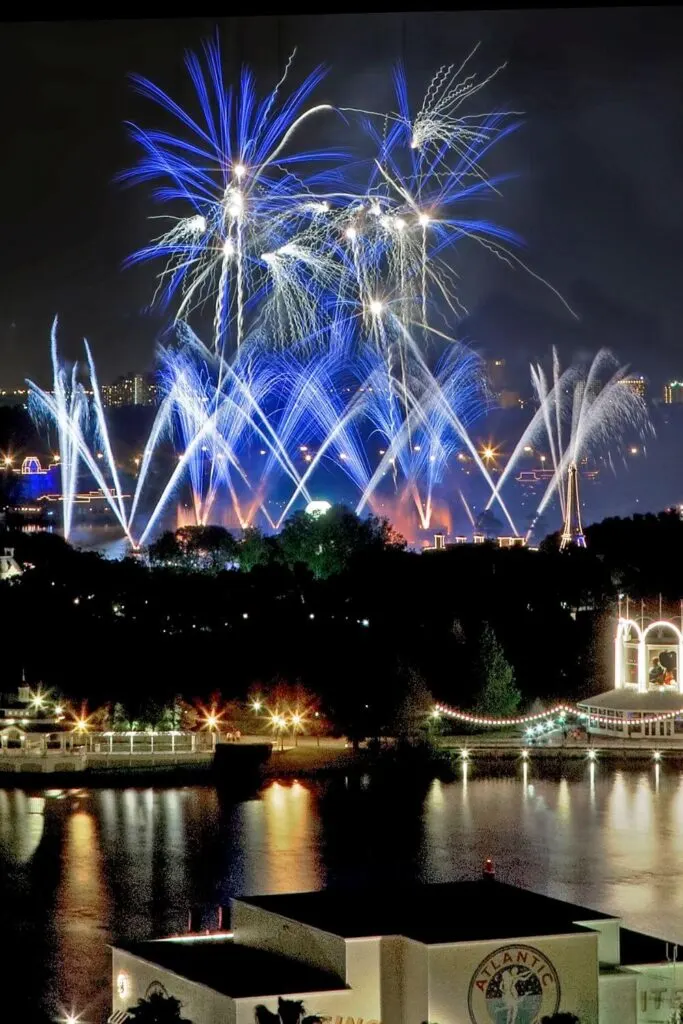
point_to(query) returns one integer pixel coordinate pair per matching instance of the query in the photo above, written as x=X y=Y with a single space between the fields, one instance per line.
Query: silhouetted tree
x=254 y=549
x=211 y=548
x=158 y=1008
x=495 y=677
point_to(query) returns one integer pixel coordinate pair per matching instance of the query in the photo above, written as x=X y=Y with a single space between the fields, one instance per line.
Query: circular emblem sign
x=514 y=985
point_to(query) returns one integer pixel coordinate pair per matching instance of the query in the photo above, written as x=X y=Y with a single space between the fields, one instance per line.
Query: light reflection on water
x=79 y=868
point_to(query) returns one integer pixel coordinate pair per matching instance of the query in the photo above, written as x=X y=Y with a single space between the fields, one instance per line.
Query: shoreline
x=253 y=763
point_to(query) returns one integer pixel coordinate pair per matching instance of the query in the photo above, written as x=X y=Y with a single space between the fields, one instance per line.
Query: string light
x=559 y=709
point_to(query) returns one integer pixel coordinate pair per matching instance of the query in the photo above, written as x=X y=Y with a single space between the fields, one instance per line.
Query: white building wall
x=453 y=967
x=618 y=998
x=416 y=969
x=200 y=1005
x=360 y=1002
x=391 y=979
x=609 y=939
x=261 y=929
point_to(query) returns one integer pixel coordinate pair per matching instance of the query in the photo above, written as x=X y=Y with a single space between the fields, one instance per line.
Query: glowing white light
x=657 y=755
x=376 y=210
x=351 y=233
x=376 y=307
x=239 y=171
x=400 y=224
x=317 y=508
x=228 y=247
x=423 y=220
x=236 y=204
x=268 y=257
x=197 y=225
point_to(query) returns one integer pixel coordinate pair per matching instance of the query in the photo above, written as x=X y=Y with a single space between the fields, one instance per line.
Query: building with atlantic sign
x=470 y=952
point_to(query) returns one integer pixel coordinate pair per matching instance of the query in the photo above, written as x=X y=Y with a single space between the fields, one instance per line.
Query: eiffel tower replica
x=572 y=531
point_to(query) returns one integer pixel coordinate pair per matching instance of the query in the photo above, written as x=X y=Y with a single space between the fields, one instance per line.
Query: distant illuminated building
x=133 y=389
x=13 y=396
x=509 y=399
x=31 y=466
x=646 y=700
x=635 y=384
x=495 y=369
x=673 y=392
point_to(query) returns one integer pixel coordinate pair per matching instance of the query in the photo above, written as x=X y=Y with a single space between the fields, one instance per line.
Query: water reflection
x=82 y=914
x=76 y=869
x=21 y=825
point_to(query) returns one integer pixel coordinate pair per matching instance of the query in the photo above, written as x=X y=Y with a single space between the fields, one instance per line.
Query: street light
x=297 y=725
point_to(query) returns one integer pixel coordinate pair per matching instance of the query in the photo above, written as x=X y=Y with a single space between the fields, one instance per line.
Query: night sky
x=597 y=194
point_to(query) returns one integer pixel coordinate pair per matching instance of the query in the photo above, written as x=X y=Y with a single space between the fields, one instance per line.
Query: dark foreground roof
x=236 y=971
x=452 y=912
x=637 y=948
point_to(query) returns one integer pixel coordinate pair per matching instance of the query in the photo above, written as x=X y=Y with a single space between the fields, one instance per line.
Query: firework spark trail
x=602 y=410
x=67 y=408
x=540 y=427
x=311 y=264
x=547 y=399
x=103 y=433
x=231 y=167
x=468 y=510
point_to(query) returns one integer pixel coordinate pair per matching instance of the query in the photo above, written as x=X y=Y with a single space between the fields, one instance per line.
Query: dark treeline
x=334 y=603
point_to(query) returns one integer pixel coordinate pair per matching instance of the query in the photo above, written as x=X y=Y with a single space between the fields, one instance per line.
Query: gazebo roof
x=653 y=701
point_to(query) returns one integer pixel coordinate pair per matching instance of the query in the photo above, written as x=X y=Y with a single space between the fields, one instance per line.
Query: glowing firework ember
x=328 y=284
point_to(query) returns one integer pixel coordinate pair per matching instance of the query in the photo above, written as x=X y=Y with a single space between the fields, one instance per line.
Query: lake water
x=79 y=867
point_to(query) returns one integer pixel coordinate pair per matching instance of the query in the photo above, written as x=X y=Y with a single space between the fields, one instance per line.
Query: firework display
x=329 y=287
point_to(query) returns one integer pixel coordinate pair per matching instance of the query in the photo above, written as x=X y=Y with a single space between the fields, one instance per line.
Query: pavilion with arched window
x=648 y=654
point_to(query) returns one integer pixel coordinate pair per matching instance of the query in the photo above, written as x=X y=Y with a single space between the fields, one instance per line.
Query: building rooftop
x=235 y=970
x=653 y=701
x=467 y=911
